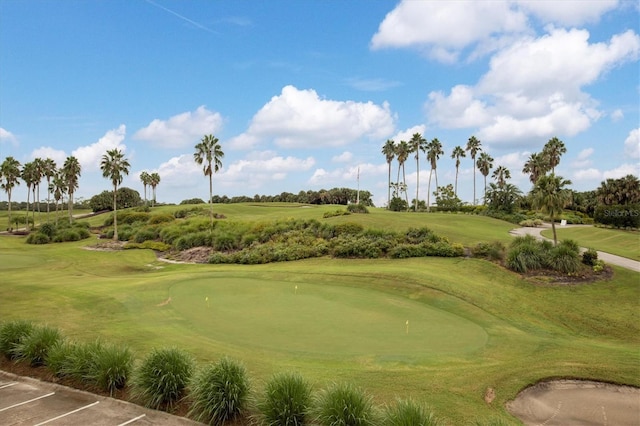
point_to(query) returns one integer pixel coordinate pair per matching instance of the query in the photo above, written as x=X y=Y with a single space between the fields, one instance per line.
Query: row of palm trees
x=60 y=181
x=151 y=180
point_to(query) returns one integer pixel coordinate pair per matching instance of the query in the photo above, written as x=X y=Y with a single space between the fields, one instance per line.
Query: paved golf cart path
x=611 y=259
x=29 y=402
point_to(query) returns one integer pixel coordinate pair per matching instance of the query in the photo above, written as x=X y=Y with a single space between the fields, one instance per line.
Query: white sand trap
x=577 y=402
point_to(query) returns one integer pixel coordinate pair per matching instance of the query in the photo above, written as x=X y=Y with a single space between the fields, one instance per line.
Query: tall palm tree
x=71 y=174
x=553 y=150
x=58 y=189
x=457 y=153
x=114 y=165
x=402 y=153
x=389 y=152
x=154 y=181
x=485 y=164
x=434 y=151
x=417 y=144
x=209 y=155
x=535 y=166
x=473 y=146
x=9 y=178
x=145 y=178
x=551 y=196
x=48 y=171
x=38 y=174
x=29 y=177
x=501 y=174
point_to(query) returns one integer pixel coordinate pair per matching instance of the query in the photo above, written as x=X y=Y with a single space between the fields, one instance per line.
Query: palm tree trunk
x=417 y=182
x=429 y=191
x=389 y=187
x=404 y=181
x=210 y=199
x=553 y=228
x=70 y=202
x=115 y=213
x=456 y=188
x=28 y=209
x=9 y=197
x=484 y=196
x=474 y=182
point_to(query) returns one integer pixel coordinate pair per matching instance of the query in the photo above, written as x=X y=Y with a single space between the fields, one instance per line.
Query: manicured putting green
x=16 y=261
x=320 y=319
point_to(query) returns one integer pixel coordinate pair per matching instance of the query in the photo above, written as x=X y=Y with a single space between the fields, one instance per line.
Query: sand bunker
x=577 y=402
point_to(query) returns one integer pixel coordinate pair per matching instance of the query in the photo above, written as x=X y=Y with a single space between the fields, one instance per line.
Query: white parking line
x=67 y=414
x=8 y=384
x=26 y=402
x=132 y=420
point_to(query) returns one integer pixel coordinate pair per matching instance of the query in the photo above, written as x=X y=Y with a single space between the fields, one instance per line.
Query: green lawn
x=614 y=241
x=472 y=325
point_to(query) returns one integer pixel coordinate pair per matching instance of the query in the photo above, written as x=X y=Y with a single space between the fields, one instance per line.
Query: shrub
x=563 y=258
x=286 y=402
x=143 y=235
x=80 y=360
x=192 y=201
x=220 y=392
x=348 y=228
x=11 y=334
x=357 y=208
x=160 y=218
x=38 y=238
x=161 y=379
x=590 y=257
x=492 y=251
x=344 y=405
x=111 y=368
x=49 y=229
x=409 y=413
x=336 y=213
x=150 y=245
x=570 y=245
x=525 y=254
x=59 y=356
x=35 y=347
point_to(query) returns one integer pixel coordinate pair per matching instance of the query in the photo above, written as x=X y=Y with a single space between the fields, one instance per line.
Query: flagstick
x=407 y=326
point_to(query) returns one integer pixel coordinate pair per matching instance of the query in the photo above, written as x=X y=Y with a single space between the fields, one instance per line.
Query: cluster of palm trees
x=433 y=151
x=151 y=180
x=60 y=181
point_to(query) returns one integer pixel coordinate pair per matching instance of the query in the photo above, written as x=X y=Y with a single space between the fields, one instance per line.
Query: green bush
x=59 y=356
x=111 y=368
x=38 y=238
x=161 y=379
x=160 y=218
x=357 y=208
x=348 y=228
x=335 y=213
x=219 y=392
x=49 y=229
x=12 y=333
x=286 y=401
x=143 y=235
x=344 y=405
x=590 y=257
x=409 y=413
x=35 y=347
x=525 y=254
x=492 y=251
x=564 y=258
x=618 y=216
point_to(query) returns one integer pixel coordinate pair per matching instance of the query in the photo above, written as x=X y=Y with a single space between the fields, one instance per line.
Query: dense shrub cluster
x=50 y=233
x=357 y=208
x=494 y=251
x=528 y=254
x=619 y=216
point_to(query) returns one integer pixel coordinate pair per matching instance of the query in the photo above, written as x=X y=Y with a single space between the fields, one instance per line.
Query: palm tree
x=434 y=151
x=58 y=189
x=145 y=177
x=113 y=166
x=551 y=196
x=473 y=146
x=38 y=174
x=535 y=167
x=402 y=153
x=417 y=144
x=29 y=177
x=457 y=153
x=9 y=178
x=209 y=152
x=485 y=164
x=552 y=150
x=48 y=171
x=71 y=174
x=154 y=180
x=501 y=174
x=389 y=152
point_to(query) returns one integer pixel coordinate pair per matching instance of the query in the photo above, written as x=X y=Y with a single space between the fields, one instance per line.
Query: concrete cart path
x=31 y=402
x=611 y=259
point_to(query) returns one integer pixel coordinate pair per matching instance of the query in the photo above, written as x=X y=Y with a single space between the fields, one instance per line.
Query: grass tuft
x=344 y=405
x=406 y=412
x=35 y=347
x=287 y=400
x=11 y=335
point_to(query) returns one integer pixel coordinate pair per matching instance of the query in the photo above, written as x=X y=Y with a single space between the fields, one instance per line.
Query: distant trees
x=417 y=144
x=154 y=181
x=434 y=151
x=389 y=152
x=485 y=164
x=474 y=147
x=125 y=198
x=71 y=174
x=457 y=154
x=9 y=179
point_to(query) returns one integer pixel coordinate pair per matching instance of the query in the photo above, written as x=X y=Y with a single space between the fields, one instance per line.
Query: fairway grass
x=472 y=324
x=615 y=241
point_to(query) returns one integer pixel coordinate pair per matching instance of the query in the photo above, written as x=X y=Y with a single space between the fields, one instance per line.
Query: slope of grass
x=531 y=331
x=615 y=241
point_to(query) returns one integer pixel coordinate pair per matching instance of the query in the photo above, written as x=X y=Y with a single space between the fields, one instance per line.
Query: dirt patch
x=106 y=245
x=165 y=303
x=586 y=275
x=577 y=402
x=192 y=255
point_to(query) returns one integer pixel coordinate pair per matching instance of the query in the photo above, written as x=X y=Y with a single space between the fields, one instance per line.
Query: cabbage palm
x=145 y=178
x=71 y=173
x=501 y=174
x=9 y=178
x=29 y=177
x=417 y=144
x=473 y=146
x=402 y=153
x=457 y=153
x=48 y=171
x=389 y=152
x=58 y=188
x=209 y=155
x=553 y=150
x=114 y=165
x=551 y=196
x=154 y=181
x=38 y=174
x=536 y=166
x=485 y=164
x=434 y=151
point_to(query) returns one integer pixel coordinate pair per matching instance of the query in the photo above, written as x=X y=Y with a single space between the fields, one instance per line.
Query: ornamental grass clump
x=11 y=335
x=219 y=392
x=161 y=380
x=286 y=401
x=344 y=405
x=35 y=347
x=111 y=368
x=406 y=412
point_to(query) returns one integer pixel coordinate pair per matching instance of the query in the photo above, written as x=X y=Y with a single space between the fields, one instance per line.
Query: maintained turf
x=472 y=324
x=615 y=241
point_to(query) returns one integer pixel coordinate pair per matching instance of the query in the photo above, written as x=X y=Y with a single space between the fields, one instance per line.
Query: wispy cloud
x=184 y=18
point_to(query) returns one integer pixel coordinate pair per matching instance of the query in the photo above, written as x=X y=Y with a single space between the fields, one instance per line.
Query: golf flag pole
x=207 y=299
x=407 y=324
x=296 y=290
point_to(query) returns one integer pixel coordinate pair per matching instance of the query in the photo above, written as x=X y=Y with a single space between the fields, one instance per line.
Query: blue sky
x=303 y=93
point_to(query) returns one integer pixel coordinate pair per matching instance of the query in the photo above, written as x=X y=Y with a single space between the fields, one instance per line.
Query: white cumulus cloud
x=302 y=119
x=632 y=144
x=181 y=130
x=7 y=136
x=56 y=155
x=568 y=12
x=89 y=156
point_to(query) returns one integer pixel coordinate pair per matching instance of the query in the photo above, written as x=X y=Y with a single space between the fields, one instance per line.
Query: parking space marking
x=6 y=385
x=128 y=422
x=26 y=402
x=68 y=414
